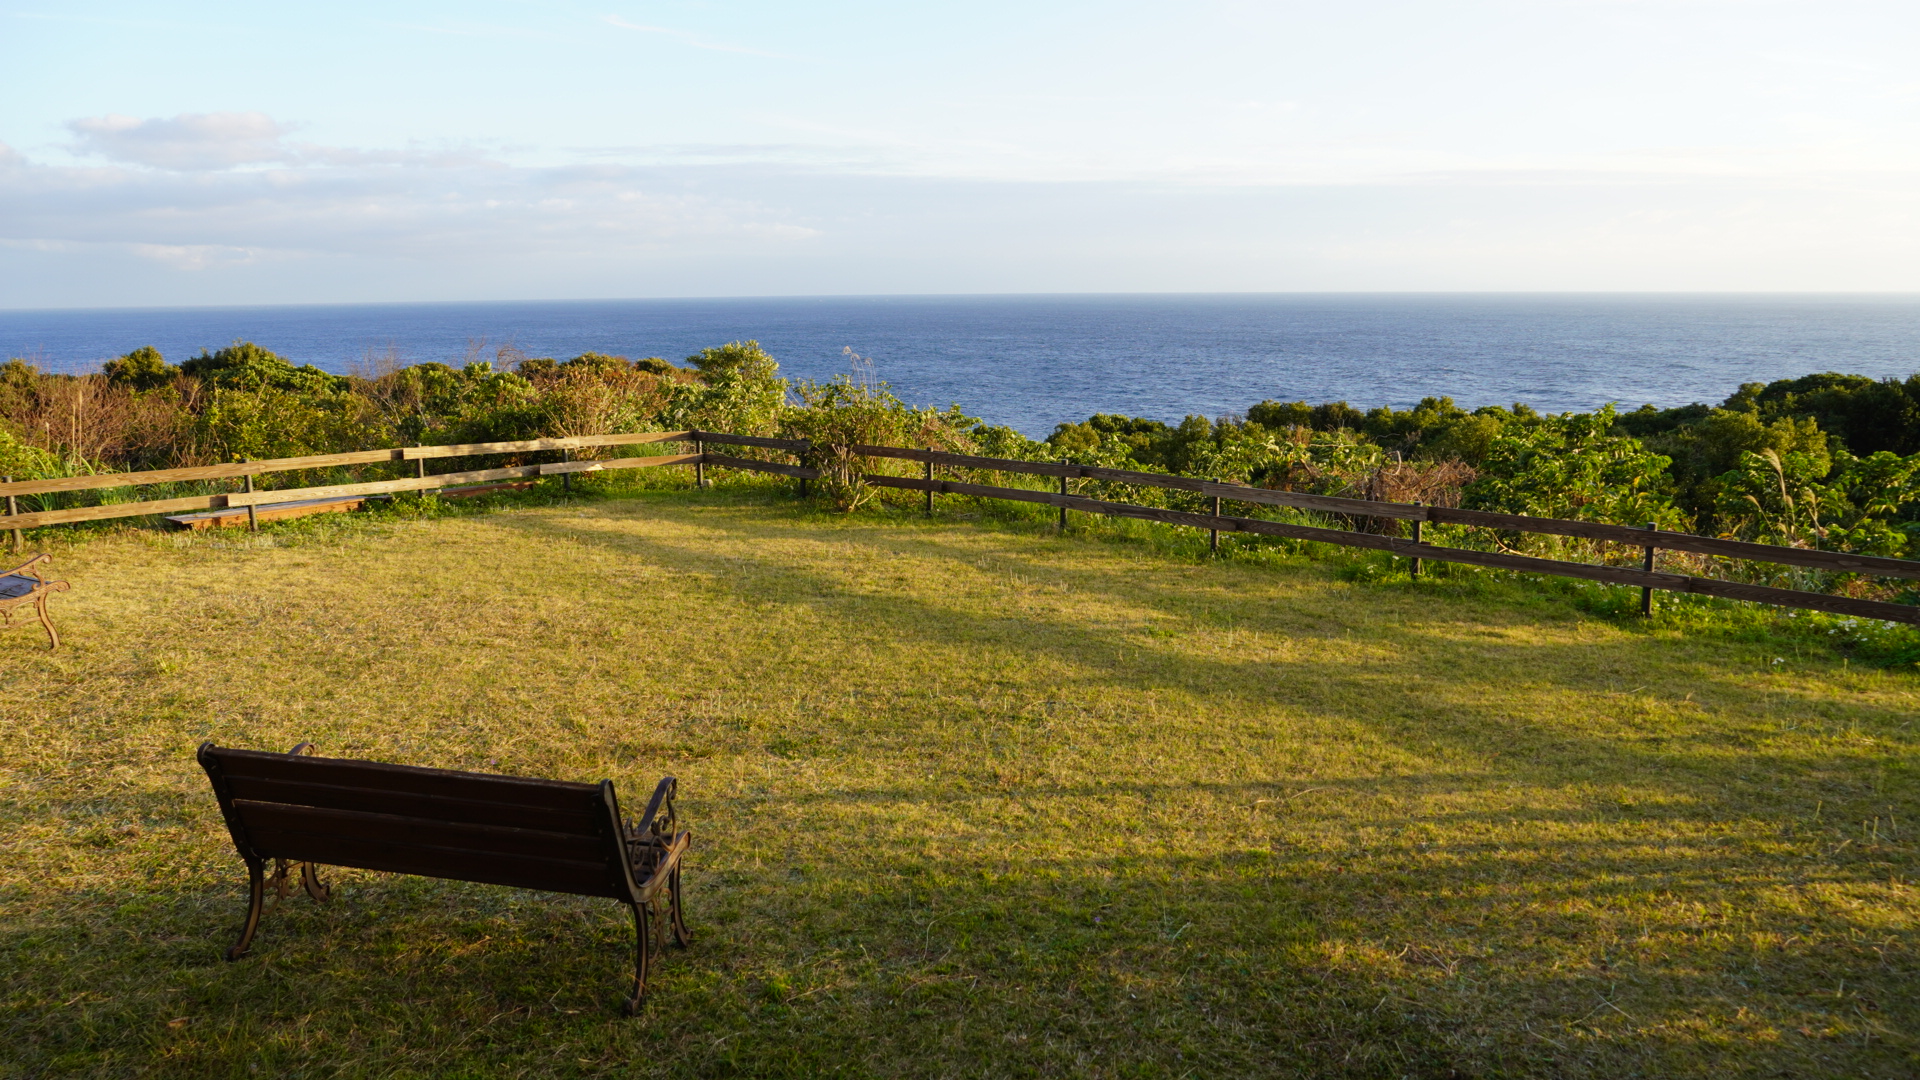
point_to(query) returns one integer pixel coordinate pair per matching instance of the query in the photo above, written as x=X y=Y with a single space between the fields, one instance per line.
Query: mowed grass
x=968 y=800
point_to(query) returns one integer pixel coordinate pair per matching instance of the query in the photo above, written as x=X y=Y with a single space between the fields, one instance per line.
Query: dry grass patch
x=966 y=802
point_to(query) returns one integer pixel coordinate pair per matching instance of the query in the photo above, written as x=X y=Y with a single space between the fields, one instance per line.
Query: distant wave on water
x=1035 y=361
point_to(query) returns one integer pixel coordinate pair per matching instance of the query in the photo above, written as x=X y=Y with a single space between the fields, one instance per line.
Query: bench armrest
x=650 y=823
x=22 y=568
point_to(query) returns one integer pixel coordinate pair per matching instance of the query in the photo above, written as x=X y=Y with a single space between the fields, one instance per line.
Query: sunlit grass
x=968 y=799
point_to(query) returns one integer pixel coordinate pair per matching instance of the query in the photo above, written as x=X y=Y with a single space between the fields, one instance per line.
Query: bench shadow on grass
x=883 y=957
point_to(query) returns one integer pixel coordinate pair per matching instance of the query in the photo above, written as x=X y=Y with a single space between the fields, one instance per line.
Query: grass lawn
x=968 y=799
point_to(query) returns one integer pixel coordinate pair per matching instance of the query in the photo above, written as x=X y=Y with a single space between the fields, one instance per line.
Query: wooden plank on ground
x=220 y=519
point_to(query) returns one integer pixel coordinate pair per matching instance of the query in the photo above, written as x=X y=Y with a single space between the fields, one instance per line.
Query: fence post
x=700 y=467
x=1416 y=538
x=1063 y=492
x=1213 y=535
x=13 y=507
x=420 y=463
x=929 y=490
x=566 y=479
x=253 y=515
x=1646 y=592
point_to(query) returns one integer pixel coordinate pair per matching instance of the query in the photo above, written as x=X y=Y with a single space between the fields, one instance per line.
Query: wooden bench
x=302 y=812
x=23 y=585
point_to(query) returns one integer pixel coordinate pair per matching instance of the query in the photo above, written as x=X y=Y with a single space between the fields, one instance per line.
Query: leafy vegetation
x=1827 y=461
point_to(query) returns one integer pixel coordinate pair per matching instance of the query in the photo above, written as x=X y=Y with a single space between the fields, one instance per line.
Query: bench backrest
x=503 y=830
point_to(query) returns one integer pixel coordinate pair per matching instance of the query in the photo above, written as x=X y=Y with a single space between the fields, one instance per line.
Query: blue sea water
x=1035 y=361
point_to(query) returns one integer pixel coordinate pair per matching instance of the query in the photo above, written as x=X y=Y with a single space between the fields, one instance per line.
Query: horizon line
x=1088 y=294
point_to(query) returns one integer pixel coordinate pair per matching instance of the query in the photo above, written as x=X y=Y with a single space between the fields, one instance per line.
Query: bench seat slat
x=356 y=825
x=581 y=821
x=446 y=783
x=517 y=871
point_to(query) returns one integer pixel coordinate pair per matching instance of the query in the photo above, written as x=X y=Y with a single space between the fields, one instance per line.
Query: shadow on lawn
x=893 y=961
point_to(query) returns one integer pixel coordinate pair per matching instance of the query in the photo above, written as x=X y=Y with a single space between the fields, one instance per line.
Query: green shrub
x=844 y=412
x=142 y=369
x=246 y=366
x=1572 y=466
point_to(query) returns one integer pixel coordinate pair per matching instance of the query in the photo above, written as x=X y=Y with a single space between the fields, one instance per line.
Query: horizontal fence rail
x=1637 y=538
x=327 y=461
x=421 y=483
x=244 y=469
x=240 y=499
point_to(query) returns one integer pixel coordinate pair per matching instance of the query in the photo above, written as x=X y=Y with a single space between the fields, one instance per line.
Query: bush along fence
x=1649 y=540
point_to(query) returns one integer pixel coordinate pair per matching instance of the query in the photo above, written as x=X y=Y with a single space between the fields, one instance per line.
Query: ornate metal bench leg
x=642 y=956
x=681 y=936
x=310 y=881
x=256 y=894
x=53 y=636
x=278 y=883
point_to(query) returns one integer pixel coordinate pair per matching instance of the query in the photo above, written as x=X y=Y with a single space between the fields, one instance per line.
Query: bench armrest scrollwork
x=651 y=823
x=25 y=568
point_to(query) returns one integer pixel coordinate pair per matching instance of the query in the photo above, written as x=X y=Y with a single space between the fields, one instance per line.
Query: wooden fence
x=1646 y=540
x=1412 y=548
x=246 y=471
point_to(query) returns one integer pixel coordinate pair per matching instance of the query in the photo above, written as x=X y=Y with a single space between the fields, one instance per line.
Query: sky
x=187 y=153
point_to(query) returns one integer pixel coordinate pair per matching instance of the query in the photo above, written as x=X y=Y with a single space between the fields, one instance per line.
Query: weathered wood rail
x=249 y=469
x=1643 y=539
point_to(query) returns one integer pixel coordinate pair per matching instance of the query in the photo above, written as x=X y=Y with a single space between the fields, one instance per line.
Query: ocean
x=1036 y=361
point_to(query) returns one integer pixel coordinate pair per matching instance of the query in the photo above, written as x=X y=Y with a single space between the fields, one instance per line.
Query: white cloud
x=188 y=208
x=244 y=213
x=194 y=256
x=188 y=142
x=210 y=142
